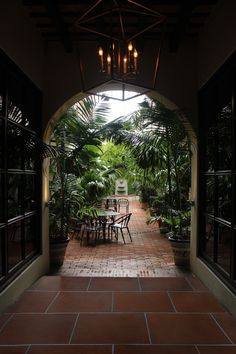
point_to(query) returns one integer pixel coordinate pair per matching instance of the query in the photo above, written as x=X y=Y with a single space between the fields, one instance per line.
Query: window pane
x=14 y=244
x=209 y=239
x=1 y=198
x=14 y=195
x=210 y=149
x=1 y=89
x=29 y=197
x=1 y=251
x=225 y=197
x=15 y=143
x=210 y=190
x=1 y=143
x=31 y=240
x=224 y=128
x=224 y=247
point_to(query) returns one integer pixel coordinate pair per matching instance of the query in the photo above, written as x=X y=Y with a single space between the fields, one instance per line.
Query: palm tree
x=78 y=137
x=161 y=146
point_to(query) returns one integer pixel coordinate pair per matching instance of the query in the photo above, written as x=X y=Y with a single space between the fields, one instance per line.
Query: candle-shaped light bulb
x=109 y=59
x=135 y=60
x=125 y=64
x=130 y=46
x=100 y=53
x=109 y=64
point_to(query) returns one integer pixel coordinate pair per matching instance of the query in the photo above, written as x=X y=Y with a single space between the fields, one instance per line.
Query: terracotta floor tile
x=3 y=318
x=32 y=301
x=71 y=349
x=160 y=283
x=37 y=329
x=184 y=329
x=82 y=302
x=217 y=349
x=113 y=284
x=111 y=328
x=228 y=323
x=142 y=302
x=196 y=284
x=55 y=283
x=155 y=349
x=13 y=350
x=196 y=302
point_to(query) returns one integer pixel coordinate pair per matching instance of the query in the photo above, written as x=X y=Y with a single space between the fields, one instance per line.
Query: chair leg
x=129 y=234
x=116 y=233
x=122 y=235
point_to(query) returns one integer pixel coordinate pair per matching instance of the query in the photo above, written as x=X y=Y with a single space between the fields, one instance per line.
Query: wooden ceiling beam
x=54 y=13
x=86 y=2
x=185 y=11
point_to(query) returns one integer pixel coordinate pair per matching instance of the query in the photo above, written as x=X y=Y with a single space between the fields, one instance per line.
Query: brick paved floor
x=150 y=310
x=149 y=255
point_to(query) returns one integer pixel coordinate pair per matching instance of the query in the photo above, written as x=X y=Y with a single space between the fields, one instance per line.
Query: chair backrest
x=92 y=221
x=123 y=202
x=111 y=203
x=124 y=220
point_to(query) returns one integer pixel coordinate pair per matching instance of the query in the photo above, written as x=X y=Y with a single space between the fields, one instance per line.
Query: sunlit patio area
x=148 y=255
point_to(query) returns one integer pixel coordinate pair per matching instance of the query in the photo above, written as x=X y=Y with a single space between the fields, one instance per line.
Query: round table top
x=107 y=212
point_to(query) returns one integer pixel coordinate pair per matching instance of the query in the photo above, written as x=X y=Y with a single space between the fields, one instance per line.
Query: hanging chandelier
x=120 y=27
x=118 y=60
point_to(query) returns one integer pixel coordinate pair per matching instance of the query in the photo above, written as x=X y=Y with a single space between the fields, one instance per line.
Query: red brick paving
x=149 y=255
x=146 y=311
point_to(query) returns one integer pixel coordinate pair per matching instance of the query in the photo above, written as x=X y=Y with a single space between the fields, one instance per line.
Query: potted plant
x=179 y=236
x=65 y=203
x=177 y=229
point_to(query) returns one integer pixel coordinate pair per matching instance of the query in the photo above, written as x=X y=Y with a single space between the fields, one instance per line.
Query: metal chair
x=75 y=226
x=111 y=204
x=93 y=228
x=123 y=203
x=121 y=224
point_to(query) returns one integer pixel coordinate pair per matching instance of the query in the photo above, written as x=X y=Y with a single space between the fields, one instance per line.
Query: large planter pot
x=57 y=251
x=181 y=251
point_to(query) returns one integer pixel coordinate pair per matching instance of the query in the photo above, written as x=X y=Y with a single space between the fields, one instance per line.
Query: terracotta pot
x=181 y=251
x=57 y=251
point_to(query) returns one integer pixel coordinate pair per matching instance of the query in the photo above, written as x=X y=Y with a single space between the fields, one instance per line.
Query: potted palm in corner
x=65 y=203
x=179 y=236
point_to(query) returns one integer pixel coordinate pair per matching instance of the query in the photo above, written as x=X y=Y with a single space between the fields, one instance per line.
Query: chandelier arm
x=122 y=26
x=141 y=12
x=88 y=11
x=94 y=17
x=96 y=32
x=146 y=8
x=118 y=9
x=156 y=68
x=144 y=30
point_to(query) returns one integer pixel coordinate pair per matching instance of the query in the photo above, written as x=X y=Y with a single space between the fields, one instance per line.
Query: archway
x=188 y=127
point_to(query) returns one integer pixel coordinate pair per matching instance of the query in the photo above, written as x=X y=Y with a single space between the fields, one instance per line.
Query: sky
x=121 y=108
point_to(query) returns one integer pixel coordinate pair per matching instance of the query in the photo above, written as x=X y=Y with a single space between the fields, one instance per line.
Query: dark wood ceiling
x=62 y=20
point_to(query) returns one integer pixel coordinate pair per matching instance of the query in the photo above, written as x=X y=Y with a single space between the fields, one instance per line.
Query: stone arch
x=193 y=139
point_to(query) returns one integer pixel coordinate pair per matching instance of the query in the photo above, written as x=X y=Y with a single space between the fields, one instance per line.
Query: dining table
x=106 y=214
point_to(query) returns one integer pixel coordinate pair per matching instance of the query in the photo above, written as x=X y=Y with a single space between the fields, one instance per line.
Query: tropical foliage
x=149 y=148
